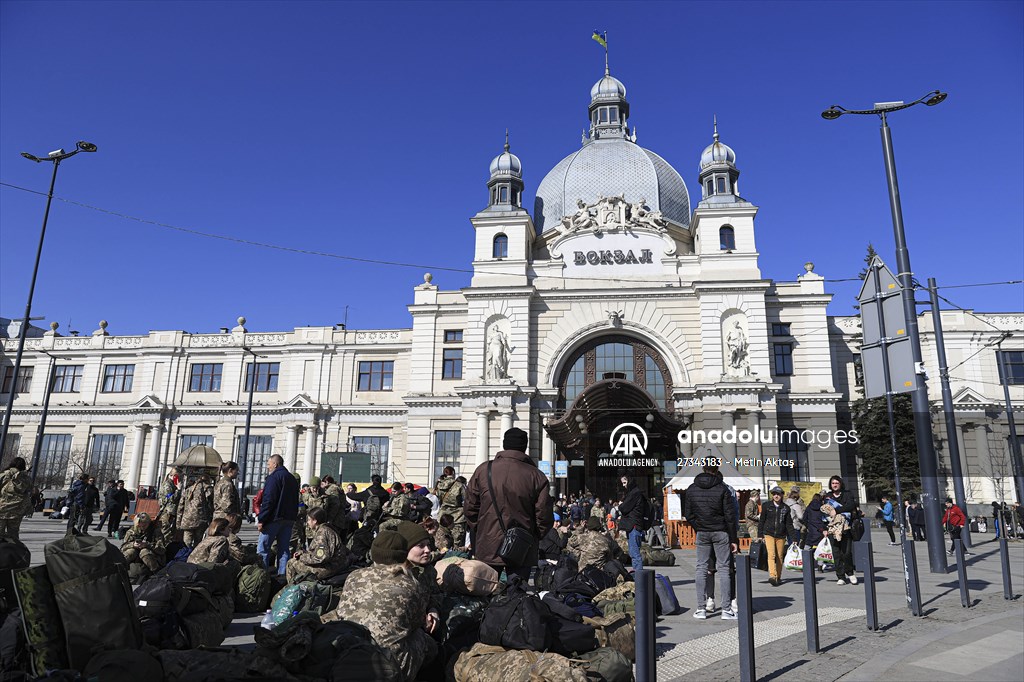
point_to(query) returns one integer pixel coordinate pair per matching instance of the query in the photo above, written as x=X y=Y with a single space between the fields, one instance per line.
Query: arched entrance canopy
x=606 y=401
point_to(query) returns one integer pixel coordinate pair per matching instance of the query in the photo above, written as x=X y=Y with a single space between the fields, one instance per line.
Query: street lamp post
x=38 y=445
x=55 y=157
x=919 y=396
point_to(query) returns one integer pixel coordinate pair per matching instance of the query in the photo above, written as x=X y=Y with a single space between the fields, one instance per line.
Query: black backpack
x=419 y=508
x=516 y=619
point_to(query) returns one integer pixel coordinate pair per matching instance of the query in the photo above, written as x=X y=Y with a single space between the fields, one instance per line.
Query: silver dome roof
x=608 y=88
x=506 y=163
x=716 y=152
x=610 y=167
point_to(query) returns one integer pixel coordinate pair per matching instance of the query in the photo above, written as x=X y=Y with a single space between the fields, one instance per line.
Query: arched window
x=500 y=246
x=622 y=357
x=727 y=238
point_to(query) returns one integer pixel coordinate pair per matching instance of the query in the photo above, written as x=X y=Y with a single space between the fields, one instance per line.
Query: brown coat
x=523 y=499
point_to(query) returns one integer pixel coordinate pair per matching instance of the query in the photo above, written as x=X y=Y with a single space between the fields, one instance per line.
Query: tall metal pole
x=38 y=445
x=23 y=331
x=248 y=420
x=919 y=396
x=947 y=410
x=1014 y=441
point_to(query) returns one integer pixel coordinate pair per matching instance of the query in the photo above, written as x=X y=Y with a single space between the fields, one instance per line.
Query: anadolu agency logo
x=628 y=443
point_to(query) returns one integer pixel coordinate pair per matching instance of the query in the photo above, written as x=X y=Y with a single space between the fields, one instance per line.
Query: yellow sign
x=807 y=489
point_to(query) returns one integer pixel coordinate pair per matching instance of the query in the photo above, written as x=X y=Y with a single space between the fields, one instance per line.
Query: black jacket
x=107 y=492
x=847 y=504
x=119 y=500
x=709 y=506
x=90 y=497
x=280 y=497
x=552 y=544
x=815 y=522
x=775 y=521
x=631 y=510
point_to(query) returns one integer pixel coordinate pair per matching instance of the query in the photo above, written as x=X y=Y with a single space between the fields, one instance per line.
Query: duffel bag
x=203 y=629
x=291 y=641
x=124 y=665
x=461 y=613
x=607 y=665
x=617 y=631
x=570 y=637
x=485 y=663
x=40 y=620
x=221 y=577
x=543 y=577
x=467 y=576
x=307 y=596
x=164 y=632
x=659 y=557
x=94 y=596
x=516 y=620
x=225 y=606
x=343 y=651
x=252 y=590
x=620 y=591
x=610 y=606
x=157 y=596
x=211 y=666
x=14 y=554
x=666 y=595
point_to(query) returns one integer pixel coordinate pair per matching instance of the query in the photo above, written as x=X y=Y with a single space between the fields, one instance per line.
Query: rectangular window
x=783 y=356
x=613 y=114
x=1013 y=361
x=24 y=380
x=376 y=375
x=711 y=188
x=792 y=447
x=721 y=185
x=185 y=442
x=118 y=379
x=53 y=461
x=503 y=195
x=205 y=378
x=604 y=114
x=253 y=461
x=105 y=457
x=266 y=376
x=453 y=336
x=67 y=378
x=12 y=449
x=378 y=447
x=780 y=329
x=446 y=451
x=452 y=366
x=858 y=370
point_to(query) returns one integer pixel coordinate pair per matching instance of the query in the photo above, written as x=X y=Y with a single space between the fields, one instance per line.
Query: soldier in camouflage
x=592 y=547
x=337 y=506
x=312 y=497
x=327 y=555
x=225 y=492
x=143 y=543
x=15 y=486
x=452 y=493
x=196 y=510
x=392 y=604
x=397 y=508
x=169 y=496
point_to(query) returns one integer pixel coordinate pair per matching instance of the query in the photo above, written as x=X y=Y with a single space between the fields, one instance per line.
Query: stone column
x=309 y=456
x=756 y=449
x=728 y=421
x=506 y=422
x=153 y=472
x=548 y=455
x=482 y=426
x=135 y=467
x=290 y=447
x=991 y=488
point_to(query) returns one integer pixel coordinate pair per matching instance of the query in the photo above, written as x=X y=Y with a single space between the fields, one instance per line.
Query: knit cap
x=412 y=533
x=388 y=548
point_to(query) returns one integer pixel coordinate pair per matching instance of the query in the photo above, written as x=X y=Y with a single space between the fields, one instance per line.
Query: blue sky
x=366 y=130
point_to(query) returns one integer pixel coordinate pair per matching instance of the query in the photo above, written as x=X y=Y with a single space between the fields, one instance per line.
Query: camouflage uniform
x=312 y=500
x=196 y=511
x=393 y=606
x=169 y=496
x=225 y=498
x=151 y=554
x=214 y=549
x=452 y=493
x=442 y=543
x=395 y=511
x=327 y=556
x=592 y=548
x=15 y=487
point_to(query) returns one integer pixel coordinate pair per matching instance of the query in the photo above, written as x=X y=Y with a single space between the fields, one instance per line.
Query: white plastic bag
x=823 y=554
x=794 y=560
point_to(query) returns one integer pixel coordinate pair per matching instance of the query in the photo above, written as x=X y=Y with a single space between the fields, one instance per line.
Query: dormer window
x=500 y=249
x=721 y=185
x=605 y=115
x=503 y=194
x=727 y=238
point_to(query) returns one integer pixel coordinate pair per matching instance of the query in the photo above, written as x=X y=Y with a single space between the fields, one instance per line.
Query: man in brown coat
x=522 y=499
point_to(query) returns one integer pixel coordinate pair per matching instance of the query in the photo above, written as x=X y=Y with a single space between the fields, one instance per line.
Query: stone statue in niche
x=498 y=351
x=737 y=363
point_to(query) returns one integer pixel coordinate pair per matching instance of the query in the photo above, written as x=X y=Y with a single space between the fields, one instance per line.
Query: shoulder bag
x=518 y=542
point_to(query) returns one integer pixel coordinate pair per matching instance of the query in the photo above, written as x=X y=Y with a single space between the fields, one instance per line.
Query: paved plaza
x=983 y=643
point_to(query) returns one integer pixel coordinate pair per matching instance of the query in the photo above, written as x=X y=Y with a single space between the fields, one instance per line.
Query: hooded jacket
x=522 y=496
x=709 y=506
x=815 y=522
x=842 y=500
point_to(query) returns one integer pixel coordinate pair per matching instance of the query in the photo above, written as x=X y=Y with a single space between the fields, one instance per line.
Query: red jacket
x=954 y=517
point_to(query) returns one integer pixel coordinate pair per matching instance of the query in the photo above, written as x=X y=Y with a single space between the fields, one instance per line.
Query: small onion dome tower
x=609 y=110
x=718 y=172
x=506 y=181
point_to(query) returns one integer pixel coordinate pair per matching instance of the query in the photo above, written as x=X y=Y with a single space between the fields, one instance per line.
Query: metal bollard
x=810 y=602
x=867 y=562
x=961 y=571
x=746 y=618
x=1004 y=559
x=646 y=666
x=913 y=586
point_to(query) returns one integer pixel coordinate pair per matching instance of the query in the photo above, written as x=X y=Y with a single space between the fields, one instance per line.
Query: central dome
x=610 y=167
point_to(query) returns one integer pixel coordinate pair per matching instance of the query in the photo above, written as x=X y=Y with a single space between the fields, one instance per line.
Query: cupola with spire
x=608 y=109
x=718 y=173
x=506 y=181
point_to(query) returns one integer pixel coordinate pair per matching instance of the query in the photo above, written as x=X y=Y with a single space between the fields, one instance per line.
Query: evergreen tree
x=871 y=421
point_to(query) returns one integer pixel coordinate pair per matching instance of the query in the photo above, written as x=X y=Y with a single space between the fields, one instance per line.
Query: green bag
x=252 y=590
x=40 y=619
x=307 y=596
x=616 y=606
x=343 y=651
x=203 y=629
x=607 y=665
